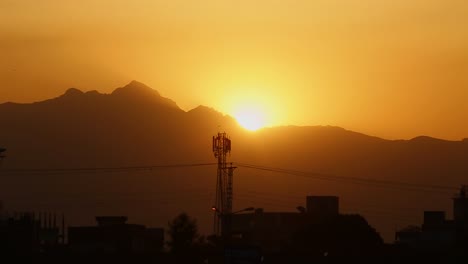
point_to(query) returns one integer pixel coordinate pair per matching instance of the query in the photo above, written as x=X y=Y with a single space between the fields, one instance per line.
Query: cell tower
x=224 y=182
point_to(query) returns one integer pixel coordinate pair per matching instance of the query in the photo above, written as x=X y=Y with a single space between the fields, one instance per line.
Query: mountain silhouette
x=140 y=93
x=136 y=126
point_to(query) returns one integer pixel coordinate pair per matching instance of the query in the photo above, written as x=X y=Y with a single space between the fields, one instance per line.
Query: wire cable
x=357 y=180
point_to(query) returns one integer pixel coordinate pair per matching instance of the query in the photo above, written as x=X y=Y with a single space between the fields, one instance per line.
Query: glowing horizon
x=391 y=69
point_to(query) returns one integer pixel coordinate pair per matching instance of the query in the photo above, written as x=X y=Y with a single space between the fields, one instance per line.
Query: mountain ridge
x=136 y=91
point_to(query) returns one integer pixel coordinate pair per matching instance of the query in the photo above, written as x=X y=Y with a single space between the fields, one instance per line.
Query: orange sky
x=395 y=69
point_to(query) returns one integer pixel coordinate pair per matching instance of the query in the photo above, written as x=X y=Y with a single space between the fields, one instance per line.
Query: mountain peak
x=135 y=87
x=73 y=92
x=204 y=110
x=427 y=139
x=139 y=92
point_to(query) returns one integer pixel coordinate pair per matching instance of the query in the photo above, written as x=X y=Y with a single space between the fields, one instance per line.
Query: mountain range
x=389 y=181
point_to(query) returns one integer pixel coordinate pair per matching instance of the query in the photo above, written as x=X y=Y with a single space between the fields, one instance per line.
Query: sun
x=250 y=118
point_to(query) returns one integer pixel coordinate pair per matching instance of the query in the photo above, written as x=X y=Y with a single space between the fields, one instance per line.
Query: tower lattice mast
x=224 y=181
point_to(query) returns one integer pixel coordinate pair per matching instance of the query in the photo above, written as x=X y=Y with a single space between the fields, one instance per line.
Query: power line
x=103 y=169
x=305 y=174
x=356 y=180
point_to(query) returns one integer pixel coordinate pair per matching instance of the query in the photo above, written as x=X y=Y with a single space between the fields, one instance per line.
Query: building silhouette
x=317 y=229
x=322 y=205
x=437 y=232
x=25 y=233
x=114 y=235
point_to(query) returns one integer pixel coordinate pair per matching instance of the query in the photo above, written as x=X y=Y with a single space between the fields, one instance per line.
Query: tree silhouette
x=183 y=233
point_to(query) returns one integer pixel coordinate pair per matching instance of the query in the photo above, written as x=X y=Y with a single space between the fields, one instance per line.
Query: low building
x=113 y=234
x=320 y=225
x=27 y=232
x=270 y=230
x=437 y=232
x=323 y=205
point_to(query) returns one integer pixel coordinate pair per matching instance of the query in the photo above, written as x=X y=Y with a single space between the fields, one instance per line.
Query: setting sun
x=250 y=118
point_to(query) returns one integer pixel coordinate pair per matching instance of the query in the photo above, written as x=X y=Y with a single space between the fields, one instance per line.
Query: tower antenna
x=224 y=182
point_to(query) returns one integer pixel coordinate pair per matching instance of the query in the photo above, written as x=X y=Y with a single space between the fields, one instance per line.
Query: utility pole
x=224 y=182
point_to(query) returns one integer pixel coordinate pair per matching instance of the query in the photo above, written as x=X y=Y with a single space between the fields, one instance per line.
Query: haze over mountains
x=136 y=126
